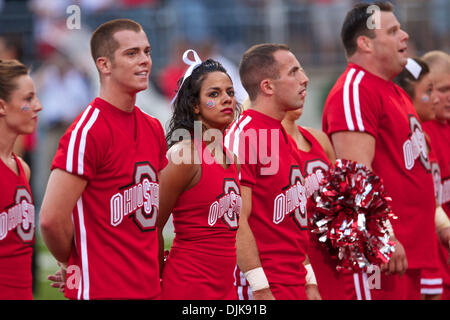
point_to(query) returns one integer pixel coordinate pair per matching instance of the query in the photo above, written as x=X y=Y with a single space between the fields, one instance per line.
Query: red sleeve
x=352 y=108
x=163 y=147
x=248 y=156
x=242 y=143
x=80 y=149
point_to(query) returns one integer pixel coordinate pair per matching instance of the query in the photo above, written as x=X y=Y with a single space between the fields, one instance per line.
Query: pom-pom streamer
x=348 y=215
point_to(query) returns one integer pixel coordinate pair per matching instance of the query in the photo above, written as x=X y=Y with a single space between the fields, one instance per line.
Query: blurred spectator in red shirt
x=174 y=70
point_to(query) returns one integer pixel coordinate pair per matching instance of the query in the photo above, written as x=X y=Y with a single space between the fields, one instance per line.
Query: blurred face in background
x=425 y=99
x=441 y=81
x=20 y=112
x=294 y=115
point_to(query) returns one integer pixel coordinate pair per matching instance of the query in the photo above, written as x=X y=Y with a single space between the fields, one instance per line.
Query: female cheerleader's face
x=425 y=99
x=217 y=101
x=441 y=83
x=21 y=111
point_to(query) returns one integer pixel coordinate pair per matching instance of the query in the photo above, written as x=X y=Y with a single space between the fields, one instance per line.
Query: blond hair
x=10 y=70
x=438 y=61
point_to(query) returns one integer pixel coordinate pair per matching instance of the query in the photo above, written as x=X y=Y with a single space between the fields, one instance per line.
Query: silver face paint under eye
x=210 y=104
x=425 y=98
x=25 y=108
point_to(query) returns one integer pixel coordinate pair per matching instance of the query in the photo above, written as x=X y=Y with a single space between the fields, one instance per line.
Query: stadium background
x=53 y=38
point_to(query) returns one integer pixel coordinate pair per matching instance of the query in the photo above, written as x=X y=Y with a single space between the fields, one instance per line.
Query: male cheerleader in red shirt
x=98 y=216
x=372 y=121
x=272 y=236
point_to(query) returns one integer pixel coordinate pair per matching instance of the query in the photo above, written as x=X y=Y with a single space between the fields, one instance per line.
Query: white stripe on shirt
x=357 y=287
x=73 y=137
x=366 y=287
x=83 y=141
x=431 y=291
x=356 y=100
x=431 y=282
x=347 y=109
x=226 y=142
x=237 y=134
x=83 y=249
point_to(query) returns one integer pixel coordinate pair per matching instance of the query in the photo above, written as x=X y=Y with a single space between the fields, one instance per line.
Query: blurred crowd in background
x=37 y=33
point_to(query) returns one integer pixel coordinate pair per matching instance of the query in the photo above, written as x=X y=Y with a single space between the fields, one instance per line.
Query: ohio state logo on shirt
x=314 y=170
x=292 y=201
x=416 y=146
x=19 y=216
x=227 y=206
x=139 y=200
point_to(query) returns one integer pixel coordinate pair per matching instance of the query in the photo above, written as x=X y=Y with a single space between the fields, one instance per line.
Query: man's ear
x=364 y=44
x=266 y=87
x=104 y=65
x=2 y=107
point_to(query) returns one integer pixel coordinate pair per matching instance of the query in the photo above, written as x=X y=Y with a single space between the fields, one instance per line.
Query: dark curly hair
x=188 y=96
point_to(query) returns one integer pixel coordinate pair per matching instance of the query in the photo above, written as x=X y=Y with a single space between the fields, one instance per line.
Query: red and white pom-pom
x=348 y=215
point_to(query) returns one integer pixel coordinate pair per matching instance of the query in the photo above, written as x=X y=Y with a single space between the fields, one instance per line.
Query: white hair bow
x=192 y=65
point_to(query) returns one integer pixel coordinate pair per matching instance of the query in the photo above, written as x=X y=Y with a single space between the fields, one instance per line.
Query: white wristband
x=257 y=279
x=310 y=276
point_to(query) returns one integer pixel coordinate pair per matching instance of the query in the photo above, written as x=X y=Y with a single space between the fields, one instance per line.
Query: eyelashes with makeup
x=216 y=94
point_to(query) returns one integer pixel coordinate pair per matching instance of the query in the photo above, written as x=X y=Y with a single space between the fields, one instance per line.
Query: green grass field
x=46 y=266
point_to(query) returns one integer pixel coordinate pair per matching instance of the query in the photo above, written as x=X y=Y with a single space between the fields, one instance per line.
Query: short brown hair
x=355 y=24
x=257 y=64
x=10 y=70
x=103 y=43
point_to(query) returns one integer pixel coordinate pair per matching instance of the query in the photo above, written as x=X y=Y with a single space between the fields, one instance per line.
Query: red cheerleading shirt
x=270 y=166
x=344 y=285
x=17 y=226
x=314 y=163
x=115 y=252
x=363 y=102
x=202 y=259
x=440 y=136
